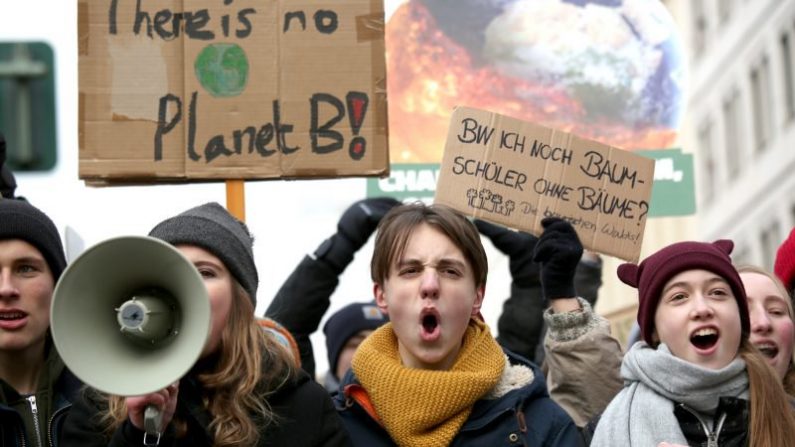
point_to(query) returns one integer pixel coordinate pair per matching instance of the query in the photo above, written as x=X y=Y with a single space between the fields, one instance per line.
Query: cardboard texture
x=174 y=91
x=515 y=173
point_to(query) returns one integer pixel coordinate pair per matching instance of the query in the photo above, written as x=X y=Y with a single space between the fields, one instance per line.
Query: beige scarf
x=422 y=407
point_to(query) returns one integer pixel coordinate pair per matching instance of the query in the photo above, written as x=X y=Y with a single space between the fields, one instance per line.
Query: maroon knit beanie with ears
x=785 y=262
x=651 y=275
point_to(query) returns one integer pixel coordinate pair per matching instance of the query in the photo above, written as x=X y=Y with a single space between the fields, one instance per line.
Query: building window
x=760 y=92
x=699 y=27
x=732 y=122
x=770 y=239
x=785 y=44
x=706 y=150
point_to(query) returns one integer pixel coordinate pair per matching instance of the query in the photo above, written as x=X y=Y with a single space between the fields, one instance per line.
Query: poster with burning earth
x=605 y=70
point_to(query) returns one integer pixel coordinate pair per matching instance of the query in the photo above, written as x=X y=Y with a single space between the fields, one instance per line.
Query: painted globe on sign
x=608 y=70
x=222 y=69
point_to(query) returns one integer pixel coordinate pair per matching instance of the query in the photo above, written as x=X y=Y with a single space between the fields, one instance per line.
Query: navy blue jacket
x=523 y=417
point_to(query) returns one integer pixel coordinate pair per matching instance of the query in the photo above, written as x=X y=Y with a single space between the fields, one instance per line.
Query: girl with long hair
x=695 y=378
x=245 y=389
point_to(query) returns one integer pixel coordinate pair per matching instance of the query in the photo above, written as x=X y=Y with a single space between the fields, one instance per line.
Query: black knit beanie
x=21 y=220
x=211 y=227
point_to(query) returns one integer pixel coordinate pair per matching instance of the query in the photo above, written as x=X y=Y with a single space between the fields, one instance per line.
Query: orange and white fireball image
x=607 y=70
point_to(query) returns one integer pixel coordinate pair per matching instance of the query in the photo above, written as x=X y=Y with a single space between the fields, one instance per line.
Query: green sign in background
x=27 y=105
x=673 y=192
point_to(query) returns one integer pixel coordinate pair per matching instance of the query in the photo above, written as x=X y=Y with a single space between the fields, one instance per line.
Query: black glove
x=355 y=226
x=360 y=220
x=558 y=250
x=519 y=248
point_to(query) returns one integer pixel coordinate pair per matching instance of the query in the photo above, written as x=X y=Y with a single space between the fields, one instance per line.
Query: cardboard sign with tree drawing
x=516 y=173
x=212 y=90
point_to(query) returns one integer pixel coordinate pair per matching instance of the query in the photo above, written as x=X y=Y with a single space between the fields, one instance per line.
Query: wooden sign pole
x=236 y=198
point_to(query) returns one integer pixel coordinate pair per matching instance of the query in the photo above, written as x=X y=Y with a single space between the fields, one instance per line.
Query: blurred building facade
x=741 y=121
x=740 y=125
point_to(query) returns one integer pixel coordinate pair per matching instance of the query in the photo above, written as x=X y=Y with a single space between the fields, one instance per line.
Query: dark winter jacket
x=729 y=427
x=305 y=414
x=523 y=417
x=57 y=388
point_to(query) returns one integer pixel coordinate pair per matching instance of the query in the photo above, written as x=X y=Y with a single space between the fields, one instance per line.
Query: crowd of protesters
x=414 y=363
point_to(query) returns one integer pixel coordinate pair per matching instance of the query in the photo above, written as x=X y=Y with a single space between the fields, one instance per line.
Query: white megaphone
x=130 y=316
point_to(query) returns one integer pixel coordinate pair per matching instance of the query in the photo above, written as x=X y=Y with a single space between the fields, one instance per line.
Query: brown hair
x=789 y=377
x=400 y=222
x=771 y=417
x=250 y=366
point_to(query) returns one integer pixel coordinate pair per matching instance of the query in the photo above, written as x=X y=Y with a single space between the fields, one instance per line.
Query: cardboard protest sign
x=231 y=89
x=516 y=173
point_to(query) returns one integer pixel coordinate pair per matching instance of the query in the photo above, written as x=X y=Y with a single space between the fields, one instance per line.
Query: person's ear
x=480 y=294
x=380 y=298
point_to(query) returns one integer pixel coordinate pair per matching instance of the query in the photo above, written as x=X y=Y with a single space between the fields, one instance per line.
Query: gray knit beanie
x=211 y=227
x=21 y=220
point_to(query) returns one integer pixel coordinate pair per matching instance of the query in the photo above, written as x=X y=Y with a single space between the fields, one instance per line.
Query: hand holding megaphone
x=164 y=400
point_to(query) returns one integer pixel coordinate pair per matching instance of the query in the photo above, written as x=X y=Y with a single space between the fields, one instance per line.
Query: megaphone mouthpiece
x=149 y=316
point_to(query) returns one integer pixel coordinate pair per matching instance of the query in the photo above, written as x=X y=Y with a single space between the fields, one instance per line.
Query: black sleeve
x=521 y=323
x=588 y=279
x=302 y=301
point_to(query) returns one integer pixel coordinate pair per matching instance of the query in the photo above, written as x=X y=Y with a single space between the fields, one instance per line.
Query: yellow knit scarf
x=422 y=407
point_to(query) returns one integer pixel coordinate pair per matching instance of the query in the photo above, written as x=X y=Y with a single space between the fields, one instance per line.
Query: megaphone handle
x=152 y=420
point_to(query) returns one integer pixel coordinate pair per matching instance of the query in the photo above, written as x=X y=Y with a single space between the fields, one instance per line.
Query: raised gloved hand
x=355 y=226
x=360 y=220
x=558 y=250
x=519 y=248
